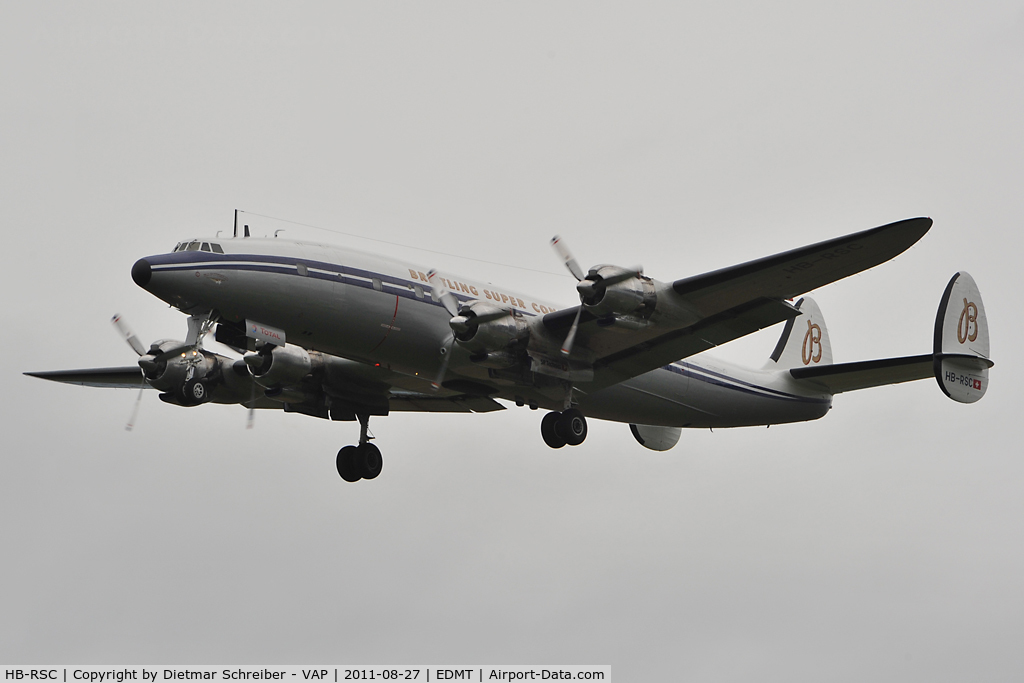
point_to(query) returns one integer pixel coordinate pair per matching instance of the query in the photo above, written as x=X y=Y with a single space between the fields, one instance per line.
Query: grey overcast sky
x=883 y=542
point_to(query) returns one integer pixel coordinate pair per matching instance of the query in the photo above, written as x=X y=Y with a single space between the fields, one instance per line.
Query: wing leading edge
x=129 y=377
x=795 y=272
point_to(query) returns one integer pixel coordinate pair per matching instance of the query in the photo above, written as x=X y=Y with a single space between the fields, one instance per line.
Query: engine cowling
x=170 y=374
x=483 y=327
x=184 y=376
x=276 y=366
x=612 y=290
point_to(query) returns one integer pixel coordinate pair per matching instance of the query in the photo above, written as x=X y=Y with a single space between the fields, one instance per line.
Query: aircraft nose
x=141 y=272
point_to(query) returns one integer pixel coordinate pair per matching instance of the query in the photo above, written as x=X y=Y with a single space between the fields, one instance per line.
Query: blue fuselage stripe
x=198 y=260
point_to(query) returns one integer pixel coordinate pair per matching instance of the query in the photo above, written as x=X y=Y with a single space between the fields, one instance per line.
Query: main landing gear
x=567 y=427
x=363 y=461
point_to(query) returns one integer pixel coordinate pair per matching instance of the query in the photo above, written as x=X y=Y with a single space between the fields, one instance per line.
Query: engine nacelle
x=276 y=366
x=610 y=290
x=482 y=327
x=170 y=374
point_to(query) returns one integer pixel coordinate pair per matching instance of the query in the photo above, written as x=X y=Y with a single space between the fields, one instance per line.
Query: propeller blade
x=128 y=335
x=567 y=258
x=135 y=409
x=250 y=420
x=436 y=384
x=441 y=293
x=570 y=339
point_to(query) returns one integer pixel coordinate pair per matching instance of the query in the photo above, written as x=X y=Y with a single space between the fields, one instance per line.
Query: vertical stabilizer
x=961 y=341
x=804 y=342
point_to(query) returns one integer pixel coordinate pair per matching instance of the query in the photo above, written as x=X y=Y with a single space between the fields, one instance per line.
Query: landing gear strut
x=363 y=461
x=567 y=427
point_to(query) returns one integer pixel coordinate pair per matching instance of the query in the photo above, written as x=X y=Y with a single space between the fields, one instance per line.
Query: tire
x=194 y=392
x=348 y=464
x=370 y=461
x=549 y=431
x=572 y=426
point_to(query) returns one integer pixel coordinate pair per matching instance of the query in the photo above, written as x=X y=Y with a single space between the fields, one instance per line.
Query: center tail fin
x=804 y=341
x=961 y=341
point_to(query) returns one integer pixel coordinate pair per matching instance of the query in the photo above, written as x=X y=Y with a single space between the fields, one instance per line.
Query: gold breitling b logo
x=812 y=341
x=967 y=326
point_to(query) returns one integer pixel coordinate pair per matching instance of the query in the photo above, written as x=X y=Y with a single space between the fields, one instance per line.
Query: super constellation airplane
x=343 y=335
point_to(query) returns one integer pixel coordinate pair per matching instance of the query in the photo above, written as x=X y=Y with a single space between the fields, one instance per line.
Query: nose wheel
x=568 y=427
x=363 y=461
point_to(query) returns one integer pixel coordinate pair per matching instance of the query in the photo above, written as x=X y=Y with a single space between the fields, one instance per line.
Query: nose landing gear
x=567 y=427
x=363 y=461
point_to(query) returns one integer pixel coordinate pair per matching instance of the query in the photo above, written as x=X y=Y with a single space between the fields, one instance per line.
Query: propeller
x=451 y=304
x=133 y=341
x=590 y=287
x=152 y=360
x=441 y=293
x=574 y=267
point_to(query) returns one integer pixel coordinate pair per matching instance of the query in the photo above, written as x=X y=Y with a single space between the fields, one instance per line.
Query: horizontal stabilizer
x=868 y=373
x=959 y=363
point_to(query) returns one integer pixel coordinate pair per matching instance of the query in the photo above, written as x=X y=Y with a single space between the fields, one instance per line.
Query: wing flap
x=439 y=404
x=869 y=373
x=129 y=377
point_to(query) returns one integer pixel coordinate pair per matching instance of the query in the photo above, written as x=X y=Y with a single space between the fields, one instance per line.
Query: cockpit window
x=216 y=248
x=193 y=246
x=206 y=246
x=177 y=247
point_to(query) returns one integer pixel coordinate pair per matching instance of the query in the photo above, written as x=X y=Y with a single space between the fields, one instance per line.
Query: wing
x=129 y=377
x=697 y=313
x=869 y=373
x=354 y=389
